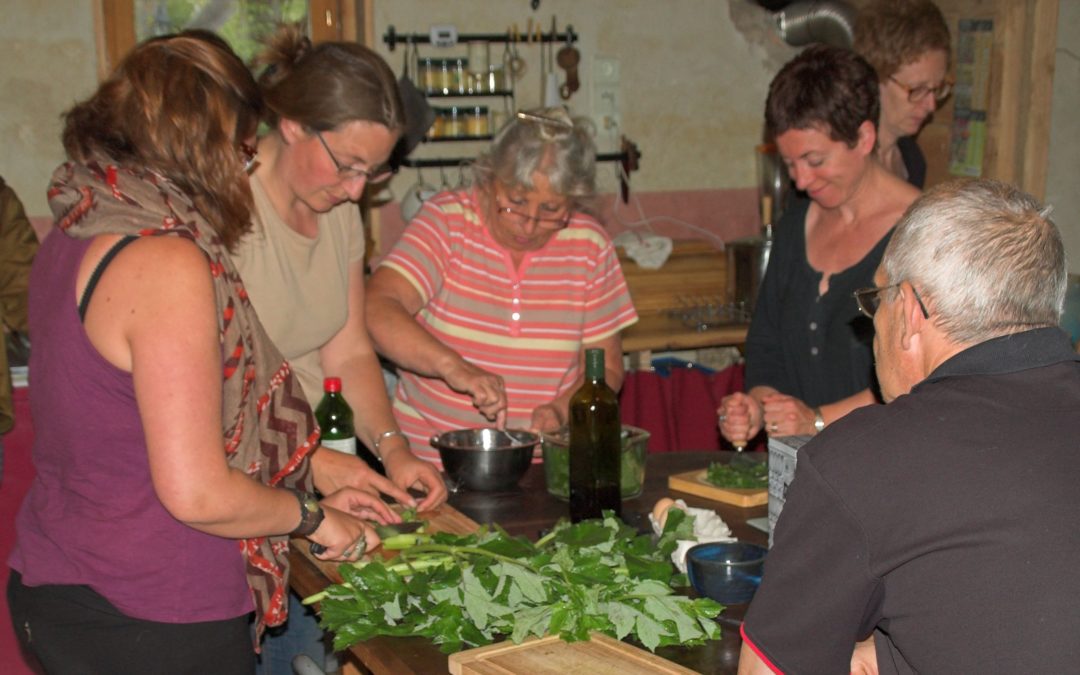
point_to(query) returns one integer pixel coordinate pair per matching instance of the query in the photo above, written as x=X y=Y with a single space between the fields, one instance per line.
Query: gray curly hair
x=547 y=140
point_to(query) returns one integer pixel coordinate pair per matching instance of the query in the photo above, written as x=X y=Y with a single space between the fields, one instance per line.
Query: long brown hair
x=328 y=84
x=179 y=105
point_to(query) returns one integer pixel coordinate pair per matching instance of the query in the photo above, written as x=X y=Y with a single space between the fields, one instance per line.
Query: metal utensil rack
x=629 y=154
x=392 y=37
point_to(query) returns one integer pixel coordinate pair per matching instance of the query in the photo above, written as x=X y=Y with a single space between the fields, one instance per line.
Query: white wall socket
x=606 y=99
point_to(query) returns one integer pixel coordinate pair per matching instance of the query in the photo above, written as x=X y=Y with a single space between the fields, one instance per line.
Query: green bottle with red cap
x=335 y=418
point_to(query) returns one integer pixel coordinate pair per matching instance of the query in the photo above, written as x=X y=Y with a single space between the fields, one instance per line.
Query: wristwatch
x=819 y=421
x=311 y=513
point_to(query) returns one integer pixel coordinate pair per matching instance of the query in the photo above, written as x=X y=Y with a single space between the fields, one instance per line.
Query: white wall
x=1063 y=174
x=694 y=75
x=47 y=62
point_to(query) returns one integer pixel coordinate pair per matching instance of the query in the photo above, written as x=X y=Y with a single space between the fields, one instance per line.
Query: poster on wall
x=972 y=98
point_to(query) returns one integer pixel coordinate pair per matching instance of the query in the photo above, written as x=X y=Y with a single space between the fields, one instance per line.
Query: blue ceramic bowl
x=727 y=571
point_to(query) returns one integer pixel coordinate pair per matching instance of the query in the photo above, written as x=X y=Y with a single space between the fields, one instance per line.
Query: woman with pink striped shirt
x=489 y=299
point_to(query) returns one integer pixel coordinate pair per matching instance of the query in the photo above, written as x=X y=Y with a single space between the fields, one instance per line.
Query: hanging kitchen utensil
x=419 y=116
x=568 y=59
x=629 y=163
x=550 y=91
x=463 y=178
x=415 y=196
x=516 y=65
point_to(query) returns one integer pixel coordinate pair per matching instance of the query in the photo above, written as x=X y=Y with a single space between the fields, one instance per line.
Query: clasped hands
x=741 y=416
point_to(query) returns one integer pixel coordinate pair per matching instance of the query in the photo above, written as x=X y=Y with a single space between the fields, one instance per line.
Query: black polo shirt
x=948 y=521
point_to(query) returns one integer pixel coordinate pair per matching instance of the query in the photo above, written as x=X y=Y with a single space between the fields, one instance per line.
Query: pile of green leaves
x=469 y=590
x=745 y=474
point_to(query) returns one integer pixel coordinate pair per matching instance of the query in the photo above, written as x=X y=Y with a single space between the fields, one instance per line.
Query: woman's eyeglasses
x=916 y=94
x=869 y=299
x=346 y=172
x=519 y=218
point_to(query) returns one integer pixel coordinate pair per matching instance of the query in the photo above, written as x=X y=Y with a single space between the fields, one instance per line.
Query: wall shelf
x=420 y=163
x=392 y=37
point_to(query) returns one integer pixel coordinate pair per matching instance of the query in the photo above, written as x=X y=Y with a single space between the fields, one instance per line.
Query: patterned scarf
x=268 y=429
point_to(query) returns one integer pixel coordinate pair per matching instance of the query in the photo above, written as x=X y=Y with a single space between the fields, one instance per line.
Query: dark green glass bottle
x=335 y=418
x=594 y=444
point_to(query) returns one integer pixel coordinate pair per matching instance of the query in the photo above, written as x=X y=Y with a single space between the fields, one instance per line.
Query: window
x=241 y=22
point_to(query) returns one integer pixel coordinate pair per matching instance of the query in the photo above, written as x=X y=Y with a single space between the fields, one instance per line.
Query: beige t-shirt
x=299 y=285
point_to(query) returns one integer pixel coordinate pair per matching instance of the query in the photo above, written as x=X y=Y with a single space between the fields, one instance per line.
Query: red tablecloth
x=18 y=473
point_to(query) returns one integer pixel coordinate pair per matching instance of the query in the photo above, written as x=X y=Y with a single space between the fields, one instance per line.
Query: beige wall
x=1064 y=171
x=693 y=79
x=47 y=61
x=694 y=75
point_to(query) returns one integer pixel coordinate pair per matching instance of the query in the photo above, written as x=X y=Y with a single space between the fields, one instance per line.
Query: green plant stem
x=459 y=551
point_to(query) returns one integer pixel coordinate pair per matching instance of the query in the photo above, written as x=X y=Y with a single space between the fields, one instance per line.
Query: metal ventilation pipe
x=831 y=22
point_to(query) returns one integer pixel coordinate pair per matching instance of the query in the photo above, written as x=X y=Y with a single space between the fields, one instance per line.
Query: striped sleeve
x=423 y=252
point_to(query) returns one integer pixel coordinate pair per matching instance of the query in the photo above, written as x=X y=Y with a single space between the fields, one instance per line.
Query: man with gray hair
x=939 y=532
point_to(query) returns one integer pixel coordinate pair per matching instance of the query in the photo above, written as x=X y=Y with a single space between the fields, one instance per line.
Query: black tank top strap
x=84 y=302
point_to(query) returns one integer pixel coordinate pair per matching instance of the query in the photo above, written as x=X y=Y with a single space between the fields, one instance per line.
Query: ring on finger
x=359 y=546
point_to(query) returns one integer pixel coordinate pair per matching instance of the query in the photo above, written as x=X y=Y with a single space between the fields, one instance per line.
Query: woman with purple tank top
x=172 y=439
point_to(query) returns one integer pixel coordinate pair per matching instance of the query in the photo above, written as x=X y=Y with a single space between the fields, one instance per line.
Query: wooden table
x=529 y=510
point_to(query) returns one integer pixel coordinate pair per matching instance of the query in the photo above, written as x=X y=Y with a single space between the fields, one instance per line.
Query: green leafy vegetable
x=748 y=474
x=469 y=590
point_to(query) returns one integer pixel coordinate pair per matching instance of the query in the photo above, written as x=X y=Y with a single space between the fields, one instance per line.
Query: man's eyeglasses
x=519 y=218
x=345 y=172
x=916 y=94
x=869 y=299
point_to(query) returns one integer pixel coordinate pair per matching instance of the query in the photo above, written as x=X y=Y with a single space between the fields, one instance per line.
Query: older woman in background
x=907 y=43
x=808 y=354
x=489 y=299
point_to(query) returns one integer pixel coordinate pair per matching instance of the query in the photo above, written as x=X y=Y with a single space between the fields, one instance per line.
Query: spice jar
x=453 y=123
x=479 y=57
x=496 y=79
x=477 y=122
x=458 y=76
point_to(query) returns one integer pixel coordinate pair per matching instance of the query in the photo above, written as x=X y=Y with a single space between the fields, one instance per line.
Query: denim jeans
x=301 y=634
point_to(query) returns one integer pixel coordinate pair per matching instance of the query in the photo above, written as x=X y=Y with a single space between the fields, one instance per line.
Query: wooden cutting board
x=693 y=482
x=551 y=655
x=442 y=519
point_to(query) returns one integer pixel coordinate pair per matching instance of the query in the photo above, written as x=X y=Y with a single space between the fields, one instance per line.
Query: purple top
x=91 y=516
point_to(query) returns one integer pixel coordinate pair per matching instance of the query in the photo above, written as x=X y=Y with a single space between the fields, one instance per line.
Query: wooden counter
x=695 y=274
x=528 y=510
x=656 y=332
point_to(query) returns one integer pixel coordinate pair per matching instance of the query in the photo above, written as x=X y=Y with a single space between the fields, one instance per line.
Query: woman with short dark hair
x=809 y=359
